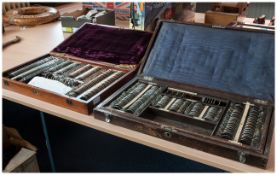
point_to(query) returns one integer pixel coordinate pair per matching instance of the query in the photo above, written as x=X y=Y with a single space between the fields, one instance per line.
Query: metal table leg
x=48 y=146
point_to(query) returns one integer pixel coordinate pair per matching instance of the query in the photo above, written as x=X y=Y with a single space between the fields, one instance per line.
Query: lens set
x=141 y=95
x=258 y=129
x=196 y=109
x=85 y=80
x=101 y=85
x=137 y=98
x=252 y=128
x=26 y=73
x=84 y=87
x=232 y=123
x=213 y=113
x=128 y=96
x=178 y=102
x=142 y=102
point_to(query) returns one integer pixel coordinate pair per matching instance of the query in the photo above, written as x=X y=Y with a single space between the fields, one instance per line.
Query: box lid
x=236 y=61
x=106 y=44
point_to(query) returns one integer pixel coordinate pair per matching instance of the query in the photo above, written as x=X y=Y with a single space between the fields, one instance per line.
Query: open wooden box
x=82 y=60
x=208 y=88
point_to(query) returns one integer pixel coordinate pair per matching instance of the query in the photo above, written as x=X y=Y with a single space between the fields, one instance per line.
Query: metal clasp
x=242 y=157
x=108 y=117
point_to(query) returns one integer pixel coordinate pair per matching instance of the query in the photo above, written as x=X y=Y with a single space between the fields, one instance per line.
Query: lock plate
x=167 y=131
x=69 y=101
x=35 y=91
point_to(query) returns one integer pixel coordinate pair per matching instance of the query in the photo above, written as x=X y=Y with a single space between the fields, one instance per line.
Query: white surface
x=51 y=85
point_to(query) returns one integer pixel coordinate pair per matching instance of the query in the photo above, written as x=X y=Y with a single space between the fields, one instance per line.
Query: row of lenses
x=65 y=80
x=79 y=76
x=196 y=109
x=144 y=101
x=249 y=127
x=31 y=66
x=83 y=68
x=188 y=107
x=252 y=129
x=213 y=113
x=258 y=129
x=101 y=85
x=130 y=102
x=69 y=68
x=130 y=94
x=89 y=84
x=50 y=67
x=230 y=126
x=26 y=76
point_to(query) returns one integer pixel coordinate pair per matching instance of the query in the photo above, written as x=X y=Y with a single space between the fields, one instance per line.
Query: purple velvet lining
x=113 y=45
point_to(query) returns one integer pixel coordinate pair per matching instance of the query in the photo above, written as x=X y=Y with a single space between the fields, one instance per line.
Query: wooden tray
x=190 y=131
x=72 y=103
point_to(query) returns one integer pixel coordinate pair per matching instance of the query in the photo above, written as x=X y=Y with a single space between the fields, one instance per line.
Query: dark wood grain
x=170 y=126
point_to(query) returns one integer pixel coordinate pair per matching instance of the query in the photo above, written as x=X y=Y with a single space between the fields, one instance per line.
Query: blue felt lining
x=234 y=61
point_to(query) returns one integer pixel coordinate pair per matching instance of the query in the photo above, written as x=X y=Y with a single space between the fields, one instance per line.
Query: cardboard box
x=220 y=18
x=74 y=20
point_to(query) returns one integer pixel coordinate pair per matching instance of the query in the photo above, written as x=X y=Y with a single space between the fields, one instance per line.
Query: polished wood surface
x=41 y=39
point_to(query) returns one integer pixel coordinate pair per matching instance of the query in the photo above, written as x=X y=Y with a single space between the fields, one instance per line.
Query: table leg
x=48 y=146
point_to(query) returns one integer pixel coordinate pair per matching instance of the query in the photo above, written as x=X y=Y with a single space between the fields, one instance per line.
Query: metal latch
x=108 y=117
x=242 y=157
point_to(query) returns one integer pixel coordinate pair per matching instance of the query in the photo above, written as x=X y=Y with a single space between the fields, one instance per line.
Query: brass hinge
x=261 y=102
x=147 y=78
x=96 y=100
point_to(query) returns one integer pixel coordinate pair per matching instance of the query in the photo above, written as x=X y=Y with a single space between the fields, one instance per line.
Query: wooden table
x=42 y=39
